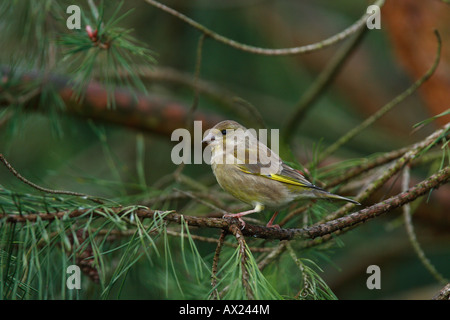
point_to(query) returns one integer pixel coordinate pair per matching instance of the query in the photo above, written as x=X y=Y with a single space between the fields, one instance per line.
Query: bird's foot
x=236 y=216
x=270 y=223
x=276 y=226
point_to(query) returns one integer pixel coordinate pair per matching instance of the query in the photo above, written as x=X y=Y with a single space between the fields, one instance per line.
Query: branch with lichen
x=443 y=294
x=392 y=170
x=306 y=237
x=412 y=235
x=215 y=293
x=250 y=230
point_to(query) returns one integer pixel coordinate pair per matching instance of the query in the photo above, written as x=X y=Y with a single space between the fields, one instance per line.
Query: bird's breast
x=249 y=188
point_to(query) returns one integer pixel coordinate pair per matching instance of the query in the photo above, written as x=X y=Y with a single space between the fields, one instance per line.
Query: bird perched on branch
x=253 y=173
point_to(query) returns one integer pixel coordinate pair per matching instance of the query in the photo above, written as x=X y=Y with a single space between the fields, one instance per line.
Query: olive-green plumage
x=253 y=173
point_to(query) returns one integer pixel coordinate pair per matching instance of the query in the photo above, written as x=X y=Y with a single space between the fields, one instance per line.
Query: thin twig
x=306 y=290
x=193 y=108
x=441 y=177
x=198 y=64
x=366 y=166
x=6 y=116
x=255 y=231
x=361 y=23
x=412 y=235
x=242 y=108
x=294 y=213
x=369 y=121
x=208 y=204
x=236 y=231
x=215 y=293
x=321 y=84
x=444 y=294
x=46 y=190
x=390 y=172
x=272 y=255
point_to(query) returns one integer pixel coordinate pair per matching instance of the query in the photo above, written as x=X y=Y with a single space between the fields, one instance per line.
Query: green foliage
x=109 y=248
x=122 y=255
x=108 y=54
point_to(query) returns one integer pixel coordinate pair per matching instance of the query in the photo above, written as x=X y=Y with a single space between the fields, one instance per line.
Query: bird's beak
x=209 y=138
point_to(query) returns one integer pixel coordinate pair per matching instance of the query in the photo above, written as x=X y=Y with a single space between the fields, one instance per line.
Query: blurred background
x=114 y=159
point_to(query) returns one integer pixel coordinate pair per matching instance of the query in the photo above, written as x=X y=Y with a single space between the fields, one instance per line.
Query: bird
x=251 y=172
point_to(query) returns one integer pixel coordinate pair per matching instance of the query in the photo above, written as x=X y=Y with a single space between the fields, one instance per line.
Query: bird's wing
x=257 y=159
x=293 y=176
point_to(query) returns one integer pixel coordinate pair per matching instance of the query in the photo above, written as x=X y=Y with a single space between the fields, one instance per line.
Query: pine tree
x=87 y=189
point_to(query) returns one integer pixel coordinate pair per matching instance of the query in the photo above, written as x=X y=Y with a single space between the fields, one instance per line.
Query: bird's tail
x=319 y=193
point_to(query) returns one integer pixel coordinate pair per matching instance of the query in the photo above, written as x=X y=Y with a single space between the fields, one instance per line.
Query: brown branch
x=236 y=231
x=378 y=209
x=215 y=293
x=444 y=294
x=250 y=230
x=131 y=109
x=226 y=99
x=412 y=235
x=355 y=171
x=84 y=256
x=392 y=170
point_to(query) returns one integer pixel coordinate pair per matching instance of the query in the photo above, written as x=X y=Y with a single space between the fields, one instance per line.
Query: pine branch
x=32 y=225
x=131 y=110
x=234 y=229
x=84 y=257
x=361 y=23
x=444 y=294
x=393 y=169
x=433 y=182
x=215 y=293
x=412 y=235
x=273 y=254
x=357 y=170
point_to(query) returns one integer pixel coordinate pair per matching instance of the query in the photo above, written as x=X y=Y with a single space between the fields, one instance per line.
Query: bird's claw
x=236 y=216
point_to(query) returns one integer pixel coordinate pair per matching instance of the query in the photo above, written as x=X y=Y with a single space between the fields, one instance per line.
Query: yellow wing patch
x=286 y=180
x=276 y=177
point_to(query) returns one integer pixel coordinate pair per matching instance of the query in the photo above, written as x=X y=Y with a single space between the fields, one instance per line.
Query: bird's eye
x=224 y=132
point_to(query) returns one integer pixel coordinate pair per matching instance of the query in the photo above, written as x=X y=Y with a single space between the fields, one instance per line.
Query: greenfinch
x=254 y=174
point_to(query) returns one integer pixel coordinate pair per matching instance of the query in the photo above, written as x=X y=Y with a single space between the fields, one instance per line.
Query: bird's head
x=218 y=134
